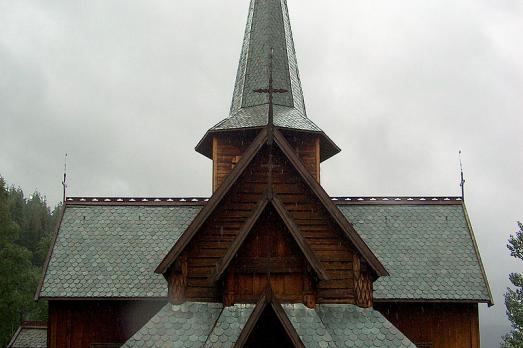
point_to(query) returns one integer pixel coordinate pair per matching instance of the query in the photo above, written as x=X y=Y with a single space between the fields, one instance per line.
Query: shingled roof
x=268 y=28
x=429 y=250
x=195 y=324
x=30 y=334
x=109 y=248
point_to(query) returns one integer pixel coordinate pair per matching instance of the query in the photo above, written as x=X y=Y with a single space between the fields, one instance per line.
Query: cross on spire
x=270 y=90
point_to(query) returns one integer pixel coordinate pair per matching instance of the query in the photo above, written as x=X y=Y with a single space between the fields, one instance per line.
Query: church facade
x=269 y=258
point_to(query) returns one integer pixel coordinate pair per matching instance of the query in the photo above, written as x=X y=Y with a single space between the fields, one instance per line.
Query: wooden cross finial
x=270 y=90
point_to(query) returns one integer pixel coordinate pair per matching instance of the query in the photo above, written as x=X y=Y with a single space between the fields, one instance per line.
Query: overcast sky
x=128 y=88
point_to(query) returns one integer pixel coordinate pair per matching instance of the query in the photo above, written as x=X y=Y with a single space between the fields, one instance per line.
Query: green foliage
x=514 y=298
x=25 y=235
x=35 y=220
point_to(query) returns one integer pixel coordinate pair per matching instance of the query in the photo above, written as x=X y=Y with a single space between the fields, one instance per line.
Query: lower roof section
x=196 y=324
x=30 y=335
x=109 y=247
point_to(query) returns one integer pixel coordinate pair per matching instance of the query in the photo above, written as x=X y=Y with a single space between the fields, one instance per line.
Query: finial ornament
x=462 y=182
x=270 y=90
x=64 y=181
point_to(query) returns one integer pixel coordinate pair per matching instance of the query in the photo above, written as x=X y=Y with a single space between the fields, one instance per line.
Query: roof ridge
x=142 y=201
x=194 y=200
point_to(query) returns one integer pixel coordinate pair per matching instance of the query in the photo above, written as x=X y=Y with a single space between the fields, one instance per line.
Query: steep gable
x=269 y=256
x=343 y=264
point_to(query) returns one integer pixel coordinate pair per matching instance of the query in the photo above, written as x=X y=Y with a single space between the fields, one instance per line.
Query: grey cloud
x=127 y=89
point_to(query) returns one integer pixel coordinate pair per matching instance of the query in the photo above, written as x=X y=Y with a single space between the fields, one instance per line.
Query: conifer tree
x=514 y=297
x=17 y=275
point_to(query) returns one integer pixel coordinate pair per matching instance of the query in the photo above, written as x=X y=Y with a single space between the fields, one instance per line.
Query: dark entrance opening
x=268 y=332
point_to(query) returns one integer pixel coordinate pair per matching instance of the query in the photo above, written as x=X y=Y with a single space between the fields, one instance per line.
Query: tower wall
x=228 y=147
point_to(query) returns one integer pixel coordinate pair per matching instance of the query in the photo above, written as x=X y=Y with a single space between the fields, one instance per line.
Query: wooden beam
x=268 y=298
x=273 y=265
x=253 y=319
x=213 y=202
x=298 y=237
x=214 y=162
x=318 y=155
x=240 y=238
x=324 y=198
x=287 y=325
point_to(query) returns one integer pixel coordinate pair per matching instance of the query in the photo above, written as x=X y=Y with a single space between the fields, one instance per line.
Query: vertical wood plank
x=474 y=327
x=318 y=159
x=214 y=163
x=444 y=325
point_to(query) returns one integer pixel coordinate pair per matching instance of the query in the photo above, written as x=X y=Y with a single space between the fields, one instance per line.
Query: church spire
x=268 y=28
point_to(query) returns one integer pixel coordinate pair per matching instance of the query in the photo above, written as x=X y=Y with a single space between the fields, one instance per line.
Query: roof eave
x=50 y=253
x=431 y=300
x=328 y=147
x=478 y=256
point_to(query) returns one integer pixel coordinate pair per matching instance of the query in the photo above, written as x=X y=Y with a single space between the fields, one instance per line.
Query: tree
x=17 y=274
x=35 y=220
x=25 y=236
x=514 y=298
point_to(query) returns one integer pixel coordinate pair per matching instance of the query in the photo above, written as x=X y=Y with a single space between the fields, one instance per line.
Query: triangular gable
x=324 y=198
x=268 y=300
x=314 y=186
x=289 y=223
x=213 y=202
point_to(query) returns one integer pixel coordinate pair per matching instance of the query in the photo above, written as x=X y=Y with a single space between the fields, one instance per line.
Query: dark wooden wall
x=307 y=147
x=269 y=255
x=78 y=324
x=349 y=278
x=444 y=325
x=229 y=147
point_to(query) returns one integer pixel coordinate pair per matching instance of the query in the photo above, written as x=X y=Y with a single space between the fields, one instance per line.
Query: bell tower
x=269 y=225
x=267 y=34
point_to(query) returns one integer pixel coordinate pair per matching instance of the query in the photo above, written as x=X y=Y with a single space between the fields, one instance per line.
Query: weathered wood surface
x=228 y=149
x=311 y=225
x=269 y=255
x=78 y=324
x=444 y=325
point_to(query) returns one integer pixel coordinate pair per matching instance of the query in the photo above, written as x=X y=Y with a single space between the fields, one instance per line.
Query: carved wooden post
x=309 y=293
x=356 y=266
x=362 y=284
x=230 y=285
x=178 y=281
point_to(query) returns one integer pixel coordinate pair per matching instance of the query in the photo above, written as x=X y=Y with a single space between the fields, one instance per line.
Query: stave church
x=269 y=259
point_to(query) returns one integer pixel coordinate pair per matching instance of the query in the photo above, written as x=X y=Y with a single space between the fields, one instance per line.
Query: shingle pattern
x=268 y=26
x=186 y=325
x=256 y=116
x=194 y=324
x=30 y=338
x=309 y=326
x=112 y=251
x=229 y=326
x=427 y=249
x=352 y=326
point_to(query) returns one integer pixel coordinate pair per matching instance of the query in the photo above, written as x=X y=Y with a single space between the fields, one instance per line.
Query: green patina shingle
x=268 y=27
x=186 y=325
x=308 y=326
x=352 y=326
x=427 y=249
x=195 y=324
x=30 y=338
x=229 y=326
x=112 y=251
